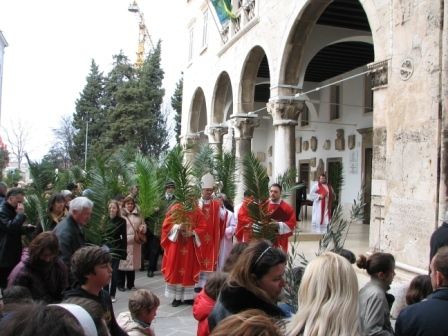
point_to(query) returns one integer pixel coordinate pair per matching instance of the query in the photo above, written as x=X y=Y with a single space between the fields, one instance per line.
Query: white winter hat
x=207 y=181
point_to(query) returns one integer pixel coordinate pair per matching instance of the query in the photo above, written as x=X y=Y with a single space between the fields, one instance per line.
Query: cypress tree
x=176 y=104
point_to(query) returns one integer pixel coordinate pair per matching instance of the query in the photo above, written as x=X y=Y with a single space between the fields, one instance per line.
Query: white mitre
x=207 y=181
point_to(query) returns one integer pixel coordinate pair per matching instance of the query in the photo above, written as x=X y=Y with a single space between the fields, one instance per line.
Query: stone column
x=190 y=146
x=244 y=126
x=215 y=137
x=285 y=113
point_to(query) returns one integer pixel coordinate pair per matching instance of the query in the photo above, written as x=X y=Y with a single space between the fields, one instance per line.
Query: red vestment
x=182 y=258
x=243 y=232
x=212 y=237
x=325 y=190
x=283 y=212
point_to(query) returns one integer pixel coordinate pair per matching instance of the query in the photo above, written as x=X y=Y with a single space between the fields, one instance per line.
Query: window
x=335 y=101
x=368 y=94
x=190 y=45
x=204 y=29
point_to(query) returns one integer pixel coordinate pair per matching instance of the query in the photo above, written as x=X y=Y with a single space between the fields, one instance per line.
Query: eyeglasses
x=262 y=254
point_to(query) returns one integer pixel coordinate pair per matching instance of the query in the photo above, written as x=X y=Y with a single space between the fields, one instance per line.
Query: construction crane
x=143 y=34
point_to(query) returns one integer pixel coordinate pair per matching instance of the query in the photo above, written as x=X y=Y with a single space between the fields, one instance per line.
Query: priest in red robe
x=243 y=231
x=283 y=215
x=214 y=216
x=182 y=258
x=323 y=196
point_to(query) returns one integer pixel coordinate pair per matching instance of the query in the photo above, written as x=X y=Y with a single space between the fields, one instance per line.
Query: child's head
x=17 y=295
x=143 y=305
x=214 y=284
x=95 y=311
x=92 y=264
x=419 y=289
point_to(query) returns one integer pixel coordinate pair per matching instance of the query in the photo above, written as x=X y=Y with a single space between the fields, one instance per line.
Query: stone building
x=311 y=84
x=3 y=45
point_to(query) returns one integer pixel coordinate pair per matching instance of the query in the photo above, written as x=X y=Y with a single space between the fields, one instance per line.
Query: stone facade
x=3 y=45
x=405 y=134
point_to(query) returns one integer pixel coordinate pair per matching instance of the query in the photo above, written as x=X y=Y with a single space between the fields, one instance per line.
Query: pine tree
x=89 y=109
x=152 y=130
x=176 y=104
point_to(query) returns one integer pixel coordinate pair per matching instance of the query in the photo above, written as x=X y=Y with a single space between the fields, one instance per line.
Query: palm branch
x=225 y=165
x=150 y=188
x=288 y=182
x=186 y=192
x=203 y=162
x=36 y=210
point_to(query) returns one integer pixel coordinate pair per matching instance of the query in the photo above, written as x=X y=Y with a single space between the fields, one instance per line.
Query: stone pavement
x=180 y=321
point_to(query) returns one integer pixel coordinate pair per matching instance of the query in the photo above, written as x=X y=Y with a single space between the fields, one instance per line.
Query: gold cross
x=182 y=271
x=208 y=238
x=206 y=262
x=183 y=251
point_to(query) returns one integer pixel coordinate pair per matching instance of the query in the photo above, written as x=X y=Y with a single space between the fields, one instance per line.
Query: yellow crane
x=143 y=34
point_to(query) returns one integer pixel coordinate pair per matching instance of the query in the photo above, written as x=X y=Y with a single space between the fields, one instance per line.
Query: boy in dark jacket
x=91 y=267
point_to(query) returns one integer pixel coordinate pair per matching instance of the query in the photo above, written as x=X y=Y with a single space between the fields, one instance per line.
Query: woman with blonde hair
x=248 y=323
x=328 y=299
x=255 y=282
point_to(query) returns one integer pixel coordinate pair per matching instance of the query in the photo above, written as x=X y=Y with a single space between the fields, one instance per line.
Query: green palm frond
x=35 y=208
x=255 y=177
x=64 y=177
x=150 y=186
x=225 y=165
x=180 y=173
x=101 y=180
x=203 y=162
x=288 y=182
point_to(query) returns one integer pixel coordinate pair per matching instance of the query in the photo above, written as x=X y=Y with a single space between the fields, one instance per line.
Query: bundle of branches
x=186 y=193
x=220 y=165
x=150 y=189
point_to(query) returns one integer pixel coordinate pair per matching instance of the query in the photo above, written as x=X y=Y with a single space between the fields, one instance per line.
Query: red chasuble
x=211 y=240
x=325 y=190
x=243 y=231
x=283 y=212
x=181 y=259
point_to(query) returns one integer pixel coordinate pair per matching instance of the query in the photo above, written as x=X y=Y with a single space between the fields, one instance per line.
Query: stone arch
x=198 y=112
x=293 y=60
x=222 y=101
x=251 y=66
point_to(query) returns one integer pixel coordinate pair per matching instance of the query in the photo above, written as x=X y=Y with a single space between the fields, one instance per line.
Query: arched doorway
x=198 y=115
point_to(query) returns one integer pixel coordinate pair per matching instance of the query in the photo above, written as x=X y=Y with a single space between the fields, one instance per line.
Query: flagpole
x=216 y=23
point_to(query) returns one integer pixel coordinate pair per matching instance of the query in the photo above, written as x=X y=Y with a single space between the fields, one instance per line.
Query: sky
x=52 y=43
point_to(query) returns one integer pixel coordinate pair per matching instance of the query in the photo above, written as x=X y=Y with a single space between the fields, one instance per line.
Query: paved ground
x=179 y=320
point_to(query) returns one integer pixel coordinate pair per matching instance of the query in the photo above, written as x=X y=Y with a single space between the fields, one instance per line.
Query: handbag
x=139 y=236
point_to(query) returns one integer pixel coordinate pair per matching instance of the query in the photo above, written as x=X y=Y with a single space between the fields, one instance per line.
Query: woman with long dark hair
x=255 y=282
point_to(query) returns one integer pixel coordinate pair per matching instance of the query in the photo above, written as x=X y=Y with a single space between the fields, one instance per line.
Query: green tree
x=176 y=104
x=89 y=110
x=153 y=129
x=4 y=159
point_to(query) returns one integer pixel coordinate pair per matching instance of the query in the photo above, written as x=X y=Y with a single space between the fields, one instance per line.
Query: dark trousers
x=4 y=273
x=154 y=250
x=128 y=276
x=112 y=287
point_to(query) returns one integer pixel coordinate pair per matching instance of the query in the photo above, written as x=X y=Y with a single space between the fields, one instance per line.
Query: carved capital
x=216 y=133
x=244 y=126
x=286 y=111
x=189 y=141
x=378 y=74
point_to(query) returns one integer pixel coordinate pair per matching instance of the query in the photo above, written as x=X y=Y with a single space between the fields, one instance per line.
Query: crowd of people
x=211 y=259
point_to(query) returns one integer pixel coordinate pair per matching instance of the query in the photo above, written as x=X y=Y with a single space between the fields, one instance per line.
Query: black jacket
x=70 y=238
x=10 y=235
x=233 y=300
x=439 y=238
x=426 y=318
x=104 y=300
x=119 y=238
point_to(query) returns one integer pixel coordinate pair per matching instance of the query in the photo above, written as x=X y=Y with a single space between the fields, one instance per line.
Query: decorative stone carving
x=407 y=69
x=261 y=156
x=351 y=141
x=244 y=125
x=270 y=169
x=286 y=111
x=306 y=145
x=339 y=142
x=216 y=133
x=378 y=74
x=270 y=151
x=327 y=145
x=189 y=141
x=313 y=143
x=299 y=145
x=313 y=162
